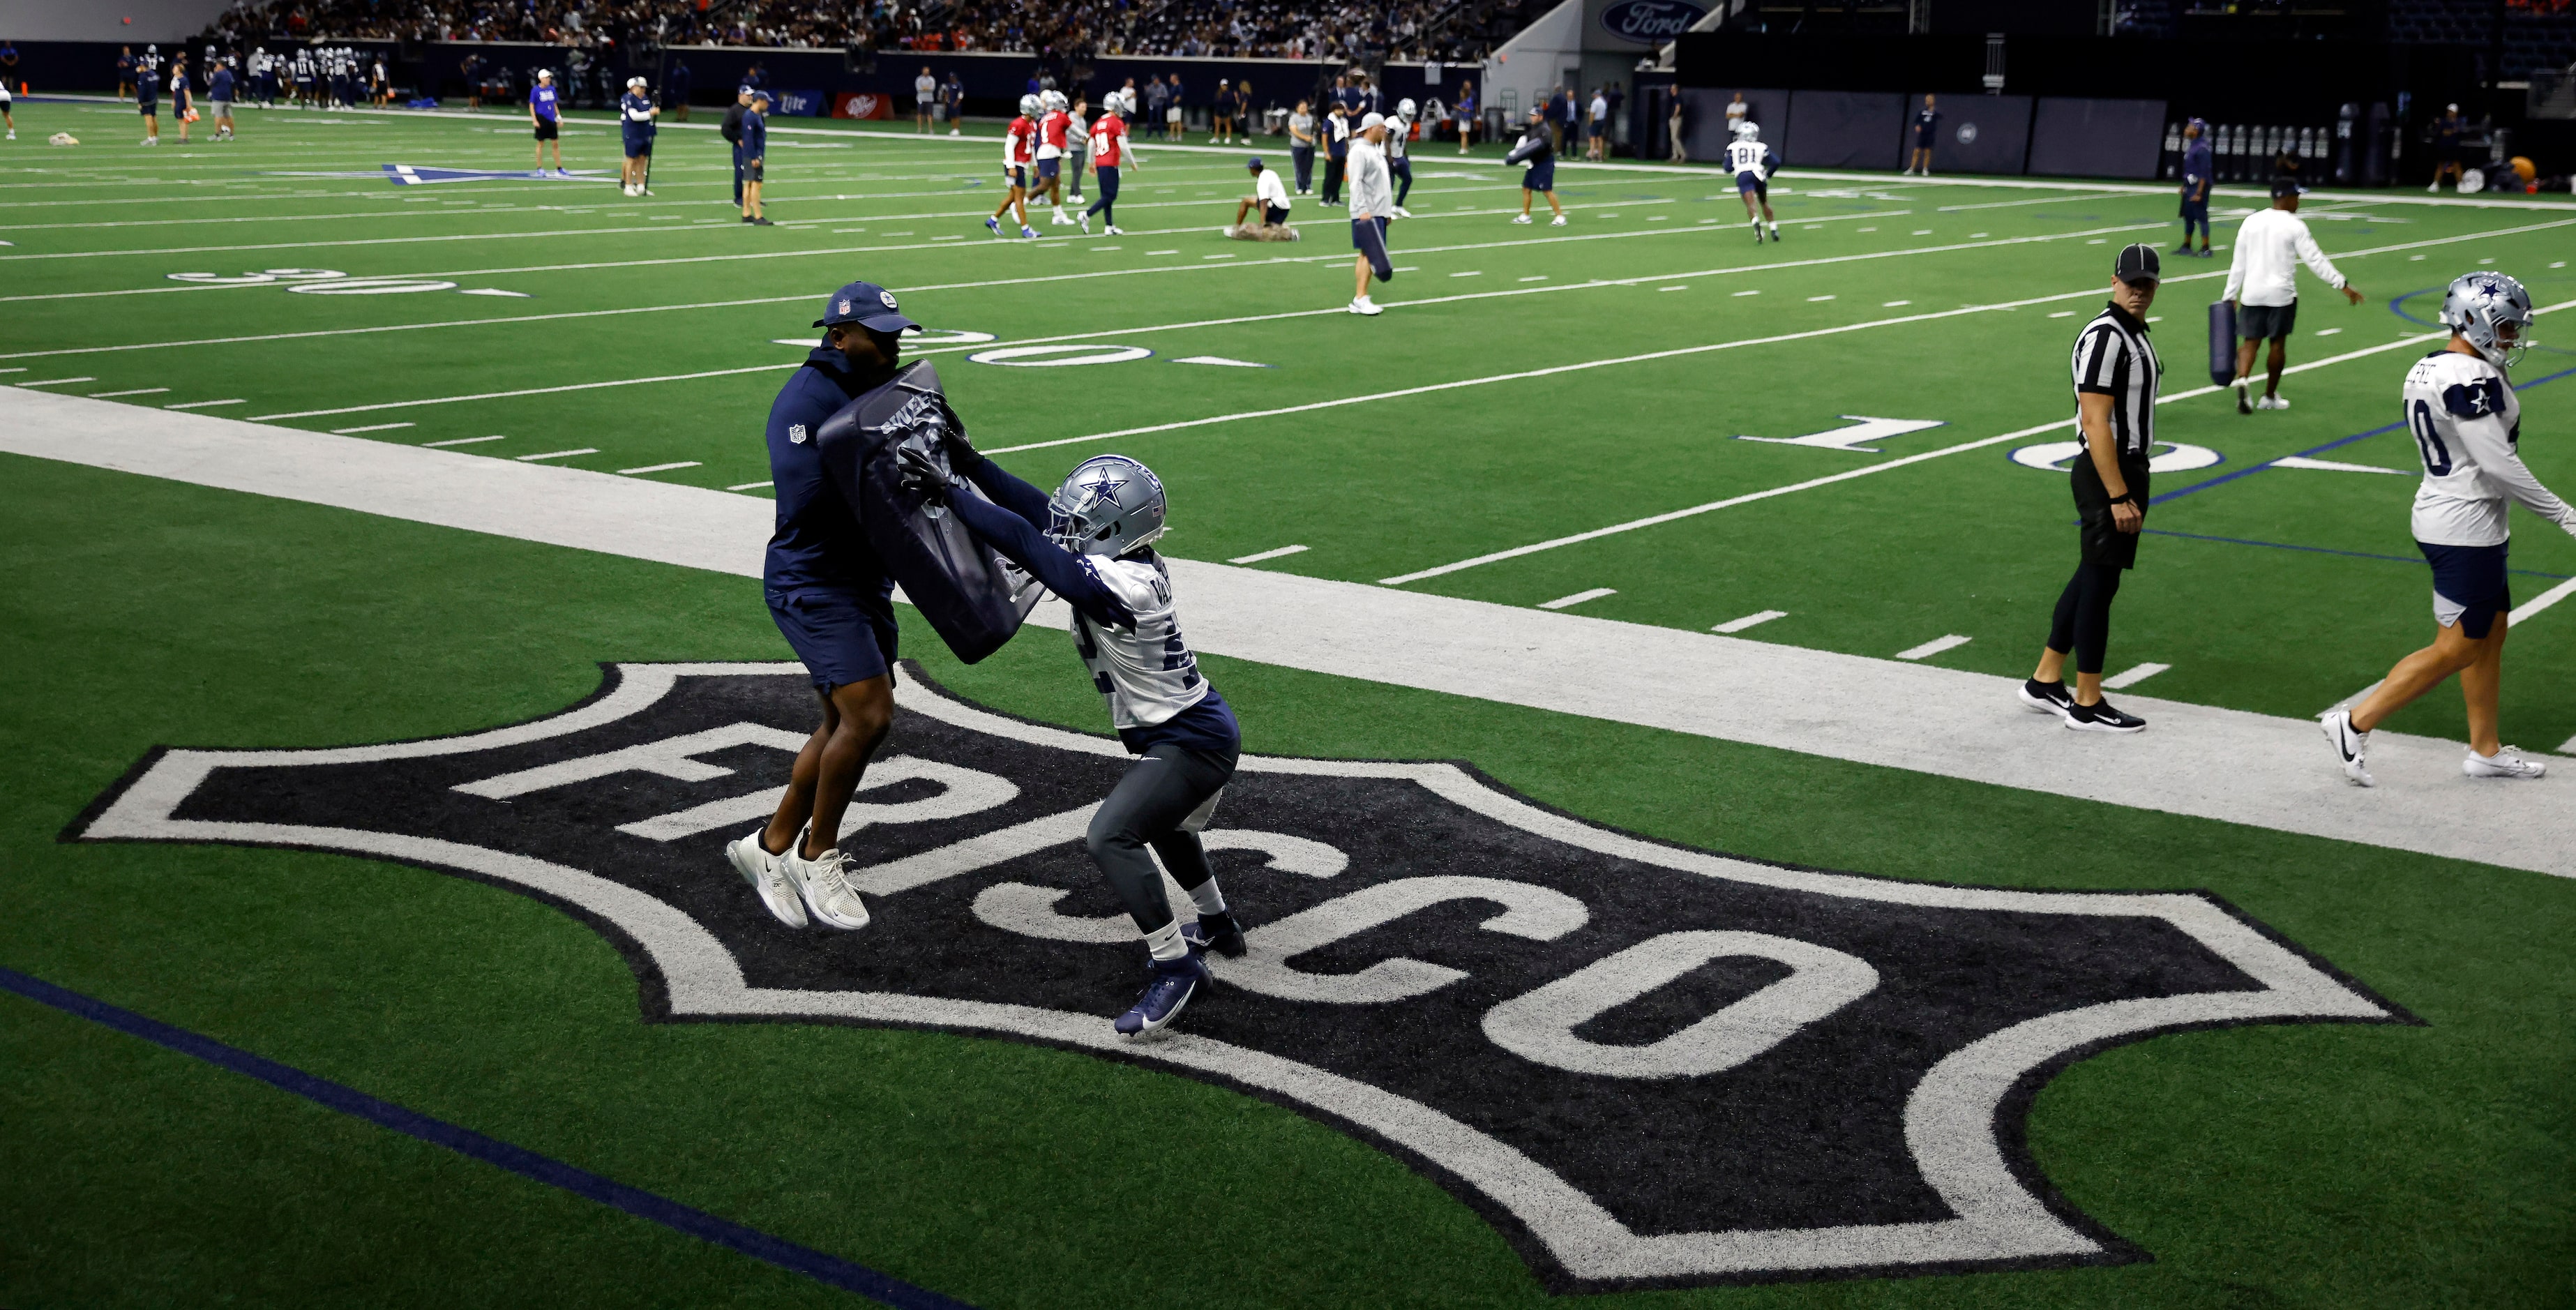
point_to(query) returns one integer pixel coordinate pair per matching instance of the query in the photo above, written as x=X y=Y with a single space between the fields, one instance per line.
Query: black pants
x=1107 y=205
x=1332 y=179
x=1403 y=170
x=1147 y=808
x=2082 y=623
x=1304 y=158
x=737 y=175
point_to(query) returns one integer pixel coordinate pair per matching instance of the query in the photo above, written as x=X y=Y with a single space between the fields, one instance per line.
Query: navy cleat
x=1218 y=932
x=1172 y=985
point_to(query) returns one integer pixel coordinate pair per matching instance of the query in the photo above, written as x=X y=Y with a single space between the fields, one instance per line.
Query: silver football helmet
x=1404 y=108
x=1748 y=130
x=1109 y=505
x=1029 y=106
x=2493 y=313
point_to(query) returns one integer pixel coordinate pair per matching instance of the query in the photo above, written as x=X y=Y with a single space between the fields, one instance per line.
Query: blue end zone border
x=827 y=1269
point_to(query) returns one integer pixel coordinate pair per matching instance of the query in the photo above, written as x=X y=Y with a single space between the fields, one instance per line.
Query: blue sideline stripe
x=827 y=1269
x=2313 y=451
x=2321 y=550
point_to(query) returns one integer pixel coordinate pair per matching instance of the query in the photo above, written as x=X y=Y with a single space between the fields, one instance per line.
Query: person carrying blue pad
x=1091 y=543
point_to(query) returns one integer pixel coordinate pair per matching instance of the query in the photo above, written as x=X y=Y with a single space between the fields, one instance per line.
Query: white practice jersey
x=1397 y=130
x=1746 y=157
x=1146 y=673
x=2467 y=424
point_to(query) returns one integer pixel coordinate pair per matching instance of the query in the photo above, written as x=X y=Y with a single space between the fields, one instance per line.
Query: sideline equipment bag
x=2222 y=342
x=973 y=597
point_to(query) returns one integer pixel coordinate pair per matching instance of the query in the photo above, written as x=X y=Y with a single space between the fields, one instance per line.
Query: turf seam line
x=823 y=1268
x=2318 y=550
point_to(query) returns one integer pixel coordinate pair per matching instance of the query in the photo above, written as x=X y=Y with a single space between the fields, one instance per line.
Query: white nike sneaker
x=767 y=875
x=1402 y=212
x=1364 y=305
x=2349 y=744
x=2507 y=762
x=1558 y=221
x=825 y=885
x=1523 y=219
x=2273 y=402
x=1112 y=230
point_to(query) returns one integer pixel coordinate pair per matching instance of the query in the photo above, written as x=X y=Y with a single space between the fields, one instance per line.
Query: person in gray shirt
x=1301 y=146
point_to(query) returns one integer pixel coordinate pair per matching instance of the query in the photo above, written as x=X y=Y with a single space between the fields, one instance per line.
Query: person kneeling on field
x=1270 y=200
x=1092 y=544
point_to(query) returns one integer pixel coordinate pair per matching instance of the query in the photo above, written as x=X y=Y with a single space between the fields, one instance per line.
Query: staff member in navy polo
x=635 y=115
x=546 y=115
x=833 y=600
x=1337 y=151
x=732 y=131
x=1927 y=129
x=754 y=151
x=147 y=96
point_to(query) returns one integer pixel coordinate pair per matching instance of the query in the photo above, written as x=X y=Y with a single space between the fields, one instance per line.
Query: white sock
x=1165 y=942
x=1208 y=898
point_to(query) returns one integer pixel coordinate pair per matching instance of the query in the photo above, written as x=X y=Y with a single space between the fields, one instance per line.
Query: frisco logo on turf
x=1645 y=1064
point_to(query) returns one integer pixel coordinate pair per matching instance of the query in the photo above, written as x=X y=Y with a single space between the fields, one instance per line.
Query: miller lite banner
x=862 y=104
x=1648 y=22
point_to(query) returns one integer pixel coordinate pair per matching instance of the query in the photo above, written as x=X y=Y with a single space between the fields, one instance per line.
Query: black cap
x=2287 y=186
x=866 y=304
x=2138 y=263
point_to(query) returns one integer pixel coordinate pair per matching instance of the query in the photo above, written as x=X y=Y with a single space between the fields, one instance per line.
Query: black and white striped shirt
x=2114 y=358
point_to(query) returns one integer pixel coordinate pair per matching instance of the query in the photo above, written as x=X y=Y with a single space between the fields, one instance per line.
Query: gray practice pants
x=1157 y=805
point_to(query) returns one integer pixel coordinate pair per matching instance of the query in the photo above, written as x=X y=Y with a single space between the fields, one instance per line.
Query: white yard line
x=659 y=468
x=2130 y=677
x=2198 y=761
x=1569 y=602
x=558 y=454
x=1258 y=556
x=1750 y=621
x=1933 y=647
x=372 y=427
x=460 y=441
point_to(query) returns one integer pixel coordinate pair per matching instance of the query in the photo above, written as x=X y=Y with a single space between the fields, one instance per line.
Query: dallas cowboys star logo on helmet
x=1104 y=491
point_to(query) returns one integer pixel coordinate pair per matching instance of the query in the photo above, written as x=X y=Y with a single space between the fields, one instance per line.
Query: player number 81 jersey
x=1146 y=673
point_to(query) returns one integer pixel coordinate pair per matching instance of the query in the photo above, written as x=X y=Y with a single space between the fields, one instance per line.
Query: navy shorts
x=2469 y=586
x=1752 y=182
x=841 y=636
x=1018 y=175
x=1368 y=236
x=638 y=147
x=1539 y=179
x=1049 y=167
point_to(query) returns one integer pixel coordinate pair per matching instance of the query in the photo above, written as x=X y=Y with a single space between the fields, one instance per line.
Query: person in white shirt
x=925 y=95
x=1736 y=112
x=2467 y=425
x=2262 y=286
x=1372 y=204
x=1269 y=200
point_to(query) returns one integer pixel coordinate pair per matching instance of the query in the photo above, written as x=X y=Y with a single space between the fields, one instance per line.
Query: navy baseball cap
x=866 y=304
x=2287 y=186
x=1254 y=162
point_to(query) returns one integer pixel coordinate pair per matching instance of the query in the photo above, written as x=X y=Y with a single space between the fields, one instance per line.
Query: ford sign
x=1650 y=22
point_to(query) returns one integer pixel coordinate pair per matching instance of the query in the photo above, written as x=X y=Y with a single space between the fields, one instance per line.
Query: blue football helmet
x=2492 y=313
x=1109 y=505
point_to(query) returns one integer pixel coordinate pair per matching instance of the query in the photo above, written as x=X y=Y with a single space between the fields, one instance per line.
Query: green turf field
x=1526 y=385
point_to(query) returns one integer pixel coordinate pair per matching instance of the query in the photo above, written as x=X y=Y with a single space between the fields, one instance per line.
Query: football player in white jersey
x=1092 y=544
x=2467 y=424
x=1753 y=164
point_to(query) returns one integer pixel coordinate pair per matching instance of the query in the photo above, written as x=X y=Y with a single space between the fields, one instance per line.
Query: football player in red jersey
x=1019 y=152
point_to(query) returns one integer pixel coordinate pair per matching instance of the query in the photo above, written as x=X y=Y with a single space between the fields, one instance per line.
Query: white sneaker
x=1112 y=230
x=767 y=875
x=2435 y=189
x=1364 y=305
x=2272 y=402
x=2507 y=762
x=1558 y=221
x=1400 y=211
x=1062 y=219
x=2349 y=744
x=825 y=885
x=1524 y=218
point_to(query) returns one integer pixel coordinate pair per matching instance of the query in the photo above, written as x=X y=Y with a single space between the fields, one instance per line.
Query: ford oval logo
x=1650 y=22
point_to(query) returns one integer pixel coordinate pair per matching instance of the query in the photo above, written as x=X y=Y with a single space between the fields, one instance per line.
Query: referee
x=2116 y=372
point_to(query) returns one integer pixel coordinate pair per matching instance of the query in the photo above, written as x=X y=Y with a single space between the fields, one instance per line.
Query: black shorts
x=842 y=636
x=1274 y=214
x=149 y=106
x=2099 y=535
x=2266 y=322
x=751 y=170
x=548 y=130
x=2469 y=586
